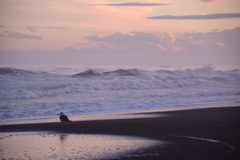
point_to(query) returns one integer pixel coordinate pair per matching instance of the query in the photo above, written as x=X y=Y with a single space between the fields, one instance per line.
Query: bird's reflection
x=63 y=137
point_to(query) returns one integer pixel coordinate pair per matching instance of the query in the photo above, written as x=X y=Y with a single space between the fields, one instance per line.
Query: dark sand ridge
x=211 y=134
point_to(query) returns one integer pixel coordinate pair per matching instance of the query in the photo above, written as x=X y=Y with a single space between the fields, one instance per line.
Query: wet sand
x=197 y=134
x=52 y=145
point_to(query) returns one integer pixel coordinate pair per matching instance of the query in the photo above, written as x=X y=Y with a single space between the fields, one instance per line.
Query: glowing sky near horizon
x=120 y=32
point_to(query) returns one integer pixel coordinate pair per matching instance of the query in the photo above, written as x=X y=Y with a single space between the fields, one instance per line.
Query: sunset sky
x=120 y=32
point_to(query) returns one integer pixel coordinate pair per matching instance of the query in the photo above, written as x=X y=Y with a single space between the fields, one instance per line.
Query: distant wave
x=206 y=72
x=12 y=71
x=202 y=74
x=119 y=72
x=22 y=72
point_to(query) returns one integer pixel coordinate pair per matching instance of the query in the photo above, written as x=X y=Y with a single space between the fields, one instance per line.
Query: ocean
x=40 y=92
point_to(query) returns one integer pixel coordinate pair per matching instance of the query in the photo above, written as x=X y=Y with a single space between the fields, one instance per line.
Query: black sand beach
x=198 y=134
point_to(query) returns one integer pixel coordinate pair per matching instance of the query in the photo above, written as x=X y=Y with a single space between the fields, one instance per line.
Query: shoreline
x=206 y=133
x=119 y=114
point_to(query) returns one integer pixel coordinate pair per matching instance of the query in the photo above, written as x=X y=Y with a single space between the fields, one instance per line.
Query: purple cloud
x=2 y=26
x=198 y=17
x=36 y=28
x=136 y=4
x=19 y=35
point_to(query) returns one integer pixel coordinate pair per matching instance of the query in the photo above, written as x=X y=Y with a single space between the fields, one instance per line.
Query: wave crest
x=123 y=72
x=87 y=73
x=13 y=71
x=206 y=72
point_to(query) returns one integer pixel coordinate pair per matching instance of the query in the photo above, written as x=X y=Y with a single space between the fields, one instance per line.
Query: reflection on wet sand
x=30 y=145
x=63 y=137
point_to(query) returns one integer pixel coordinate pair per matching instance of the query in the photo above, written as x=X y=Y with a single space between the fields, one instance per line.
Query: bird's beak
x=58 y=114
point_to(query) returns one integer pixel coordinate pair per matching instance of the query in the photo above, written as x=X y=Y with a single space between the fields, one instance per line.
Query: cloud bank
x=171 y=42
x=198 y=17
x=18 y=35
x=137 y=48
x=137 y=4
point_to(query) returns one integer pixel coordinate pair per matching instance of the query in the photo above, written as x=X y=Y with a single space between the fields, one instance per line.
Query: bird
x=63 y=117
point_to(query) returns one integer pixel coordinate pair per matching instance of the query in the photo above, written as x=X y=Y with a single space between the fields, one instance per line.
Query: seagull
x=63 y=117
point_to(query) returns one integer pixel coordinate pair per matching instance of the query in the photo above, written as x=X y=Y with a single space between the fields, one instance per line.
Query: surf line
x=209 y=140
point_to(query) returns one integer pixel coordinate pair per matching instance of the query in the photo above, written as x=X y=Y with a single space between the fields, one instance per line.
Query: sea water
x=36 y=92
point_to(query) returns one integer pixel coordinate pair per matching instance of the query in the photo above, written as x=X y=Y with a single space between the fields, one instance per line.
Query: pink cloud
x=221 y=44
x=136 y=4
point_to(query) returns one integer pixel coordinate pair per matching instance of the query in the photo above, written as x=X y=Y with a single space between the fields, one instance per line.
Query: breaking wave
x=119 y=72
x=120 y=79
x=109 y=89
x=206 y=72
x=124 y=72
